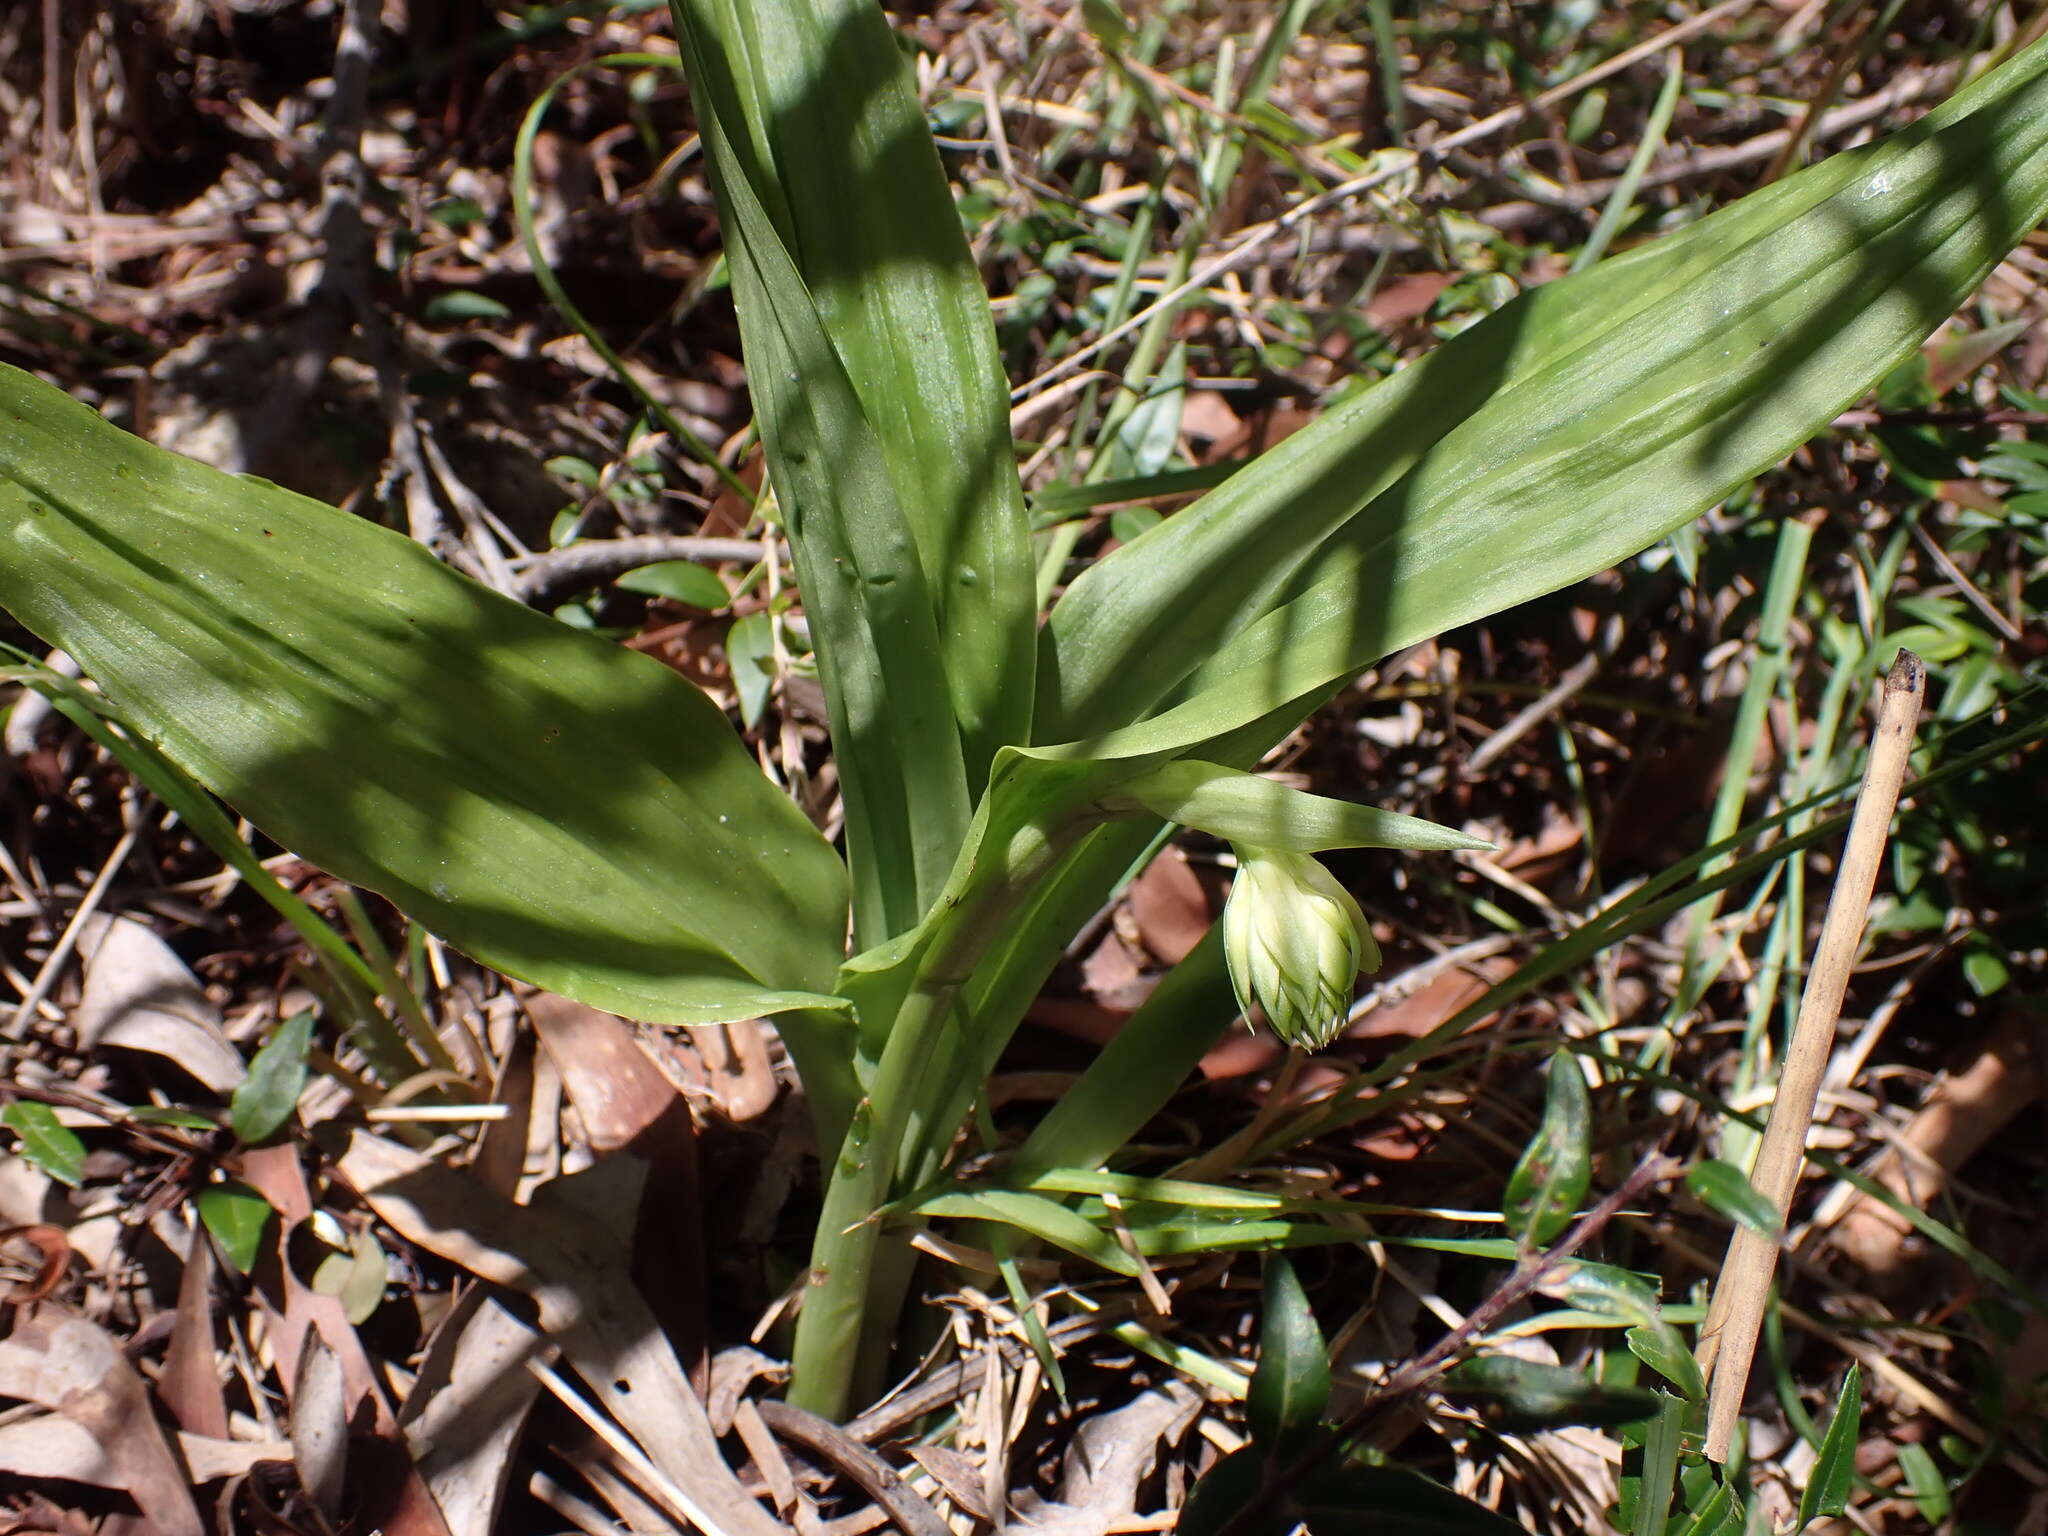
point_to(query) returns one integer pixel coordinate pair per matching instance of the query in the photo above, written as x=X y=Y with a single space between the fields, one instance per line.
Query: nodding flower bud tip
x=1295 y=942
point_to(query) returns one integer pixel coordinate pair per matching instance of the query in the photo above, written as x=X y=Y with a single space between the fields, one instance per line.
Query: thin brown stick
x=1728 y=1338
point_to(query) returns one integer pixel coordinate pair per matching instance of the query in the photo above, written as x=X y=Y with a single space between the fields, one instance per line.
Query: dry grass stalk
x=1728 y=1340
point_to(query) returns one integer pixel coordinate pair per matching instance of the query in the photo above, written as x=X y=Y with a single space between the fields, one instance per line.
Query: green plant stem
x=858 y=1271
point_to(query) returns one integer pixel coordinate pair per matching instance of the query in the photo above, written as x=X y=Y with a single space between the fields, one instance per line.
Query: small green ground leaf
x=356 y=1276
x=265 y=1099
x=1549 y=1182
x=1291 y=1385
x=1925 y=1483
x=1827 y=1487
x=1724 y=1187
x=681 y=581
x=237 y=1217
x=462 y=304
x=1515 y=1394
x=46 y=1141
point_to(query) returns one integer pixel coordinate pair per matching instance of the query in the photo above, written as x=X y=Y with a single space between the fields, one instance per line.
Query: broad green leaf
x=265 y=1099
x=1728 y=1190
x=1291 y=1385
x=1834 y=1470
x=866 y=591
x=1515 y=1394
x=1570 y=429
x=45 y=1140
x=812 y=105
x=562 y=809
x=1245 y=808
x=237 y=1217
x=1548 y=1183
x=1340 y=1499
x=683 y=581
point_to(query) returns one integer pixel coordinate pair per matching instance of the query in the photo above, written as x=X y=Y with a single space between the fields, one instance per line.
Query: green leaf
x=172 y=1115
x=355 y=1276
x=456 y=212
x=1291 y=1385
x=851 y=270
x=1572 y=428
x=1826 y=1493
x=1609 y=1292
x=1345 y=1499
x=461 y=304
x=237 y=1217
x=1516 y=1395
x=565 y=810
x=1042 y=1218
x=750 y=652
x=1245 y=808
x=1925 y=1483
x=577 y=472
x=682 y=581
x=1659 y=1475
x=264 y=1100
x=45 y=1140
x=1550 y=1181
x=1727 y=1189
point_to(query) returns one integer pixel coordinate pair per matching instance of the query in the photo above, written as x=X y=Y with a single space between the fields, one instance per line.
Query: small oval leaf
x=236 y=1216
x=45 y=1140
x=681 y=581
x=1724 y=1187
x=265 y=1099
x=1549 y=1182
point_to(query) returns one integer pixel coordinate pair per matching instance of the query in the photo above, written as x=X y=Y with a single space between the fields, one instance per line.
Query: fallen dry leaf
x=140 y=996
x=60 y=1361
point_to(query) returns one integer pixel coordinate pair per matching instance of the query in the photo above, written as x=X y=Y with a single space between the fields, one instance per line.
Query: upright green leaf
x=1834 y=1470
x=1291 y=1384
x=1548 y=1183
x=818 y=145
x=560 y=808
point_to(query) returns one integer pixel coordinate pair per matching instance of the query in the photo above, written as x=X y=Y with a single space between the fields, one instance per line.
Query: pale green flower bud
x=1295 y=942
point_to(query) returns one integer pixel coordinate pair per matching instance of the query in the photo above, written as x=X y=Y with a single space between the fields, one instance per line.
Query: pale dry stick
x=1741 y=1291
x=1259 y=236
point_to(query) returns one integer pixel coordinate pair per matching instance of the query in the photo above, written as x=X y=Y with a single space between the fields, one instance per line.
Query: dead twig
x=1728 y=1339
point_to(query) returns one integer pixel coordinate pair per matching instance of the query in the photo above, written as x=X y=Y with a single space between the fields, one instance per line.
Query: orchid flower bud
x=1295 y=942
